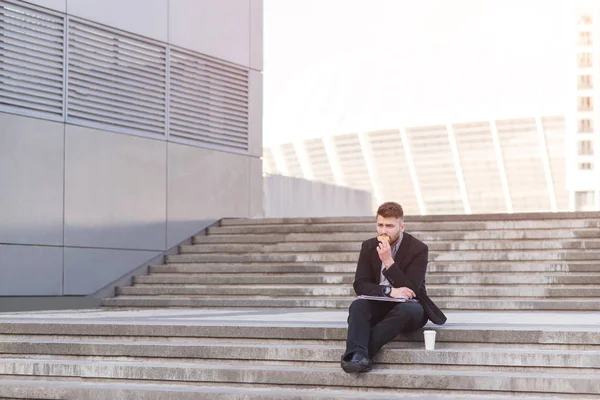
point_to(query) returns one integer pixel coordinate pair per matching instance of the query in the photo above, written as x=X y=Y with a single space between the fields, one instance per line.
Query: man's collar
x=396 y=246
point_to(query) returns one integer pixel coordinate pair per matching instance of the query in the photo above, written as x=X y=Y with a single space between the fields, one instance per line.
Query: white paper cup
x=429 y=339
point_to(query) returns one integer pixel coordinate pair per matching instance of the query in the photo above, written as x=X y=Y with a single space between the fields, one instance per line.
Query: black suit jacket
x=408 y=270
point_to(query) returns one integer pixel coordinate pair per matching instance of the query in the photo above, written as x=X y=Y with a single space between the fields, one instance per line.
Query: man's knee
x=358 y=309
x=406 y=311
x=359 y=305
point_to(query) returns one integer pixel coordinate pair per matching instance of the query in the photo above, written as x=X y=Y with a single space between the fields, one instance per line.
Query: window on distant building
x=584 y=60
x=585 y=126
x=586 y=166
x=585 y=148
x=585 y=38
x=584 y=82
x=584 y=201
x=585 y=103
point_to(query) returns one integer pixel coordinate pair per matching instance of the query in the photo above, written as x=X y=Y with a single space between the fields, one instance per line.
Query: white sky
x=340 y=66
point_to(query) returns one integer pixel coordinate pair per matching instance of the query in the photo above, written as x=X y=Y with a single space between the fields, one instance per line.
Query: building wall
x=288 y=197
x=83 y=204
x=583 y=144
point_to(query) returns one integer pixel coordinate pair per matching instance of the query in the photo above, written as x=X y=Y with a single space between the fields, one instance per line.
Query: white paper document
x=392 y=299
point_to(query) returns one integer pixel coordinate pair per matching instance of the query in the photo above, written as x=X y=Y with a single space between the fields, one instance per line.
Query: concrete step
x=509 y=266
x=245 y=279
x=432 y=268
x=241 y=353
x=518 y=329
x=550 y=278
x=229 y=248
x=332 y=302
x=225 y=247
x=296 y=221
x=524 y=255
x=278 y=258
x=78 y=389
x=347 y=290
x=336 y=302
x=414 y=218
x=427 y=237
x=522 y=303
x=289 y=351
x=520 y=292
x=311 y=375
x=238 y=290
x=417 y=226
x=259 y=268
x=436 y=225
x=345 y=257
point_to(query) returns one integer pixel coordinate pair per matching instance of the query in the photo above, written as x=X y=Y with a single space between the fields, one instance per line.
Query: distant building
x=583 y=133
x=498 y=166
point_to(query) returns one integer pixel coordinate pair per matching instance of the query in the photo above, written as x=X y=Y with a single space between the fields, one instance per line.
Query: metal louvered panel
x=31 y=60
x=208 y=101
x=116 y=81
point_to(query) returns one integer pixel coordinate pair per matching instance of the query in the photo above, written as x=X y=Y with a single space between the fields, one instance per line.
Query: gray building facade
x=126 y=126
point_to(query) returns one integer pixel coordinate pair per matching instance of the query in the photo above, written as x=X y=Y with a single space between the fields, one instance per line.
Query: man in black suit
x=392 y=265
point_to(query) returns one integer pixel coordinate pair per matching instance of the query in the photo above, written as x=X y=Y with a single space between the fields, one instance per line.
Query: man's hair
x=390 y=209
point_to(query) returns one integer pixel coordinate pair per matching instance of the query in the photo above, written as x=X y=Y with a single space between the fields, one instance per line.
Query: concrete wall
x=82 y=207
x=294 y=197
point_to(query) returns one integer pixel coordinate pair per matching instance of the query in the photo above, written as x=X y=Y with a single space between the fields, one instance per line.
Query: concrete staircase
x=477 y=262
x=265 y=318
x=290 y=354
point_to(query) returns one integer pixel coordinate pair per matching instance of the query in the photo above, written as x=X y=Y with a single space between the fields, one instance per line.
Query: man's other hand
x=402 y=292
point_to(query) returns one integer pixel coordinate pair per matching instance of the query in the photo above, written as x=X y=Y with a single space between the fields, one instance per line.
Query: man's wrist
x=387 y=291
x=388 y=263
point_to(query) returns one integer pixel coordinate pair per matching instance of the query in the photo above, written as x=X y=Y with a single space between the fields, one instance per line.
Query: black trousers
x=371 y=324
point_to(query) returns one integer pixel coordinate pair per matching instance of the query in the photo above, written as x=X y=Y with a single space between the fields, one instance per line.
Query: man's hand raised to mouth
x=385 y=253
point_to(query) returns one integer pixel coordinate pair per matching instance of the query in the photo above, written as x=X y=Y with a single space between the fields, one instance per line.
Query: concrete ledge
x=311 y=375
x=36 y=388
x=245 y=279
x=325 y=302
x=319 y=353
x=34 y=303
x=417 y=218
x=527 y=327
x=426 y=236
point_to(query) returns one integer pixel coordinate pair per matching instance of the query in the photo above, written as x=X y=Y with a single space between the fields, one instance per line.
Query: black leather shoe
x=357 y=363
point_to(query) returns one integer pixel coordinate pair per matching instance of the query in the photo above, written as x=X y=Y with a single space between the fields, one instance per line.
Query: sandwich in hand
x=381 y=238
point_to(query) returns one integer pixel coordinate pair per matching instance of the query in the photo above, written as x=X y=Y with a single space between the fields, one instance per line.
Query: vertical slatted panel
x=319 y=162
x=208 y=101
x=554 y=130
x=436 y=174
x=116 y=81
x=269 y=165
x=292 y=162
x=352 y=161
x=523 y=163
x=31 y=60
x=392 y=174
x=480 y=167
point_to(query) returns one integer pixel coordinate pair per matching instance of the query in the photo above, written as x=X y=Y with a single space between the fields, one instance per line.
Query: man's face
x=391 y=227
